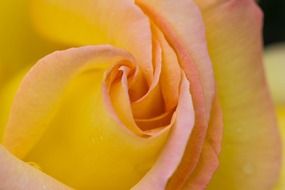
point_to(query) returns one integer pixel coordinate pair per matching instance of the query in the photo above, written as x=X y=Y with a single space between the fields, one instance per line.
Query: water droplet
x=248 y=168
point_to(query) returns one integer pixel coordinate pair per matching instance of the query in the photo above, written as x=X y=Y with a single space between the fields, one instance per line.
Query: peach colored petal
x=18 y=175
x=35 y=91
x=143 y=107
x=171 y=155
x=170 y=72
x=250 y=156
x=120 y=23
x=62 y=109
x=182 y=26
x=209 y=160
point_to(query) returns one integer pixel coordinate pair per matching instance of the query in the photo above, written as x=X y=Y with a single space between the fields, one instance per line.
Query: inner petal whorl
x=146 y=109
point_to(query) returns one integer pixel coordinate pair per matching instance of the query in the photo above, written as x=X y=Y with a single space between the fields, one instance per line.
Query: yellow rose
x=136 y=105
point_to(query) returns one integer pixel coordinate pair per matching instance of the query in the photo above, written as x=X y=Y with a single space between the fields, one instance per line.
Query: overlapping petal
x=120 y=23
x=16 y=174
x=64 y=107
x=190 y=47
x=248 y=159
x=176 y=31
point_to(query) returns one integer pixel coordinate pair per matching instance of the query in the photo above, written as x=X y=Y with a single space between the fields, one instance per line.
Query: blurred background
x=274 y=41
x=274 y=23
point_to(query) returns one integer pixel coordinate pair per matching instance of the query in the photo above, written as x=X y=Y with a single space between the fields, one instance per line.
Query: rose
x=49 y=92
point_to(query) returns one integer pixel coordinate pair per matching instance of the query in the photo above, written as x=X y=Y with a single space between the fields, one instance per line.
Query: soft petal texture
x=7 y=94
x=170 y=157
x=18 y=175
x=275 y=67
x=176 y=21
x=85 y=22
x=208 y=161
x=66 y=90
x=20 y=44
x=181 y=25
x=248 y=160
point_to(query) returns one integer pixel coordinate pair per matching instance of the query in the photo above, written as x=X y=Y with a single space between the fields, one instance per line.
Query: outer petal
x=250 y=157
x=281 y=121
x=208 y=161
x=17 y=175
x=275 y=67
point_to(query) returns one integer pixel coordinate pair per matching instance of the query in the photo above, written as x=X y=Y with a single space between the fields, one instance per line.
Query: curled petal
x=168 y=161
x=63 y=108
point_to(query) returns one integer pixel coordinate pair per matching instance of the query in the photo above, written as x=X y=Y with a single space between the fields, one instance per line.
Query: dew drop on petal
x=248 y=168
x=35 y=165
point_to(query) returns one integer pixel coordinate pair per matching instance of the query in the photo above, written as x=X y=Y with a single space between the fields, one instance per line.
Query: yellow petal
x=20 y=44
x=250 y=156
x=120 y=23
x=281 y=121
x=7 y=94
x=61 y=120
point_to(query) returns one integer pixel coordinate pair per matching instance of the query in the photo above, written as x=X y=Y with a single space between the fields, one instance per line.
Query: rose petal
x=7 y=94
x=274 y=67
x=250 y=157
x=18 y=175
x=182 y=26
x=209 y=160
x=281 y=121
x=61 y=120
x=171 y=156
x=85 y=22
x=20 y=44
